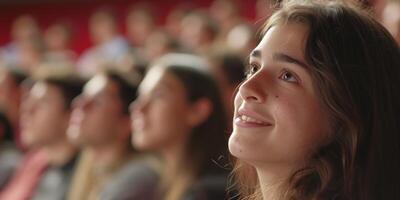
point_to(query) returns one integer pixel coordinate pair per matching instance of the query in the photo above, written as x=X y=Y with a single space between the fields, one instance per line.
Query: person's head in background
x=391 y=19
x=46 y=111
x=173 y=21
x=31 y=54
x=103 y=26
x=140 y=23
x=229 y=71
x=227 y=14
x=24 y=28
x=100 y=118
x=10 y=92
x=179 y=114
x=29 y=47
x=317 y=116
x=158 y=43
x=198 y=32
x=58 y=36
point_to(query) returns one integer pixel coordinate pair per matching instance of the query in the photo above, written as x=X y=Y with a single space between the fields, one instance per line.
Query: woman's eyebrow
x=286 y=58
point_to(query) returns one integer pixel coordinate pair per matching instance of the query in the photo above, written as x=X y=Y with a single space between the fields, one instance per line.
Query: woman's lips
x=246 y=118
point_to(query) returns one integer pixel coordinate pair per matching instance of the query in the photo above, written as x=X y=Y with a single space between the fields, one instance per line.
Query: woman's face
x=278 y=118
x=44 y=118
x=159 y=115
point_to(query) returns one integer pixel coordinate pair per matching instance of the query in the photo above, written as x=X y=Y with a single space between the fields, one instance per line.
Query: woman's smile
x=250 y=119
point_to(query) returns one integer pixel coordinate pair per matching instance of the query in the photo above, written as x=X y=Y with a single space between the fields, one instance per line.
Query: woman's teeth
x=251 y=120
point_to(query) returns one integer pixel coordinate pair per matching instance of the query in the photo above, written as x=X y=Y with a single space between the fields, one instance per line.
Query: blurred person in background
x=45 y=171
x=140 y=23
x=24 y=30
x=227 y=15
x=228 y=70
x=179 y=115
x=198 y=32
x=100 y=125
x=31 y=54
x=58 y=38
x=158 y=43
x=109 y=45
x=173 y=21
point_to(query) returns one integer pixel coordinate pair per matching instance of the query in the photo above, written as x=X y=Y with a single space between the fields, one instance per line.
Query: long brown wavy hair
x=356 y=71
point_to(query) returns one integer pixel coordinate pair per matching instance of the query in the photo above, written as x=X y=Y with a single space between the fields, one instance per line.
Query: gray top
x=55 y=182
x=9 y=160
x=136 y=180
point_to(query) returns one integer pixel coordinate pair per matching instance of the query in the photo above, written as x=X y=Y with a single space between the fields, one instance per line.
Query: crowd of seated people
x=143 y=115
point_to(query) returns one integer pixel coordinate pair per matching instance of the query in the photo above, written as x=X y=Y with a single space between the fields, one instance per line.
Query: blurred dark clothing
x=211 y=186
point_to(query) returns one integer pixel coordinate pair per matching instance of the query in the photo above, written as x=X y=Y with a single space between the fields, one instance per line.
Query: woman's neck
x=273 y=181
x=108 y=155
x=177 y=175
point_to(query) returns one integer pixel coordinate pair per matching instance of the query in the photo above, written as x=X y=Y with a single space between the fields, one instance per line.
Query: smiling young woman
x=317 y=116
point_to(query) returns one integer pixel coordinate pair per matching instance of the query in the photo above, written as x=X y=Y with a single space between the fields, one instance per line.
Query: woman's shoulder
x=137 y=179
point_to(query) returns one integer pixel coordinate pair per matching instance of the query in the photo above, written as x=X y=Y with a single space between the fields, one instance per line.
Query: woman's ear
x=199 y=112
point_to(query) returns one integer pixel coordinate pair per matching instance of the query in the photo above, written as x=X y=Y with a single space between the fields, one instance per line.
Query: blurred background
x=77 y=12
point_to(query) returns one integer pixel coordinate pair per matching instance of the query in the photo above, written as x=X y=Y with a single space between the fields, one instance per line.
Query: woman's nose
x=254 y=89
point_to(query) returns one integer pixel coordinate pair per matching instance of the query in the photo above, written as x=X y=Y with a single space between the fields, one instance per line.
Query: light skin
x=98 y=122
x=102 y=28
x=44 y=122
x=162 y=117
x=279 y=120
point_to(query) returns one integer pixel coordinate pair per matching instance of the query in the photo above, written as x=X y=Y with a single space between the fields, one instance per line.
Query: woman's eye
x=251 y=69
x=289 y=77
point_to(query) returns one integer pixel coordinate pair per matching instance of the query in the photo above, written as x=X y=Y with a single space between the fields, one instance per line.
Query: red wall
x=77 y=13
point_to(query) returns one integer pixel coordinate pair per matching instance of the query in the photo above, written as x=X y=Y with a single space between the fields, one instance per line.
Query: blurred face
x=101 y=26
x=56 y=37
x=193 y=32
x=159 y=115
x=278 y=118
x=139 y=26
x=44 y=119
x=97 y=113
x=156 y=45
